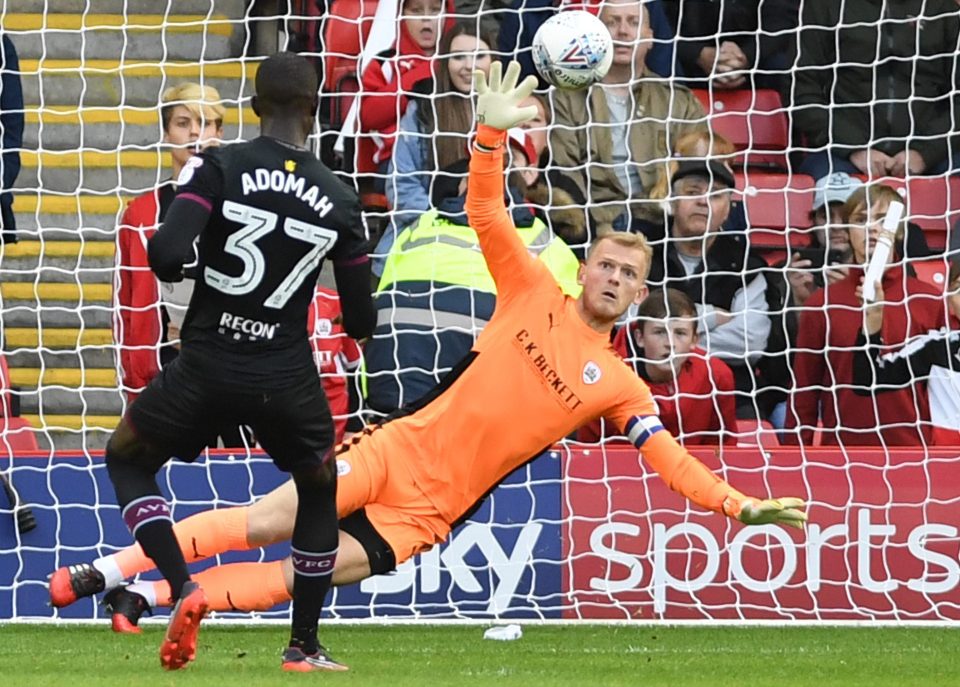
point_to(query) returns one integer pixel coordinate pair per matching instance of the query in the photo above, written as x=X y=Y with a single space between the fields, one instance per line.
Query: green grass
x=434 y=656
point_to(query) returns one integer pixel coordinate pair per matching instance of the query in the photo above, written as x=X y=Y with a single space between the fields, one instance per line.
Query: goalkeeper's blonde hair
x=203 y=102
x=626 y=239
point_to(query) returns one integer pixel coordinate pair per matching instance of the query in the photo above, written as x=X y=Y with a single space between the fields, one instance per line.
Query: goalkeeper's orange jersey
x=540 y=373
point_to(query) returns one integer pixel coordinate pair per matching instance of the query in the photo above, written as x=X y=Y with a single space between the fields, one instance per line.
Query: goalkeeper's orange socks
x=200 y=536
x=233 y=587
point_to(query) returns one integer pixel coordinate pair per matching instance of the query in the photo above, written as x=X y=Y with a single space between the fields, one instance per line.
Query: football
x=572 y=50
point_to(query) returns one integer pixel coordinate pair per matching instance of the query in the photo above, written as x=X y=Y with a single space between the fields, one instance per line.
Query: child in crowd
x=694 y=392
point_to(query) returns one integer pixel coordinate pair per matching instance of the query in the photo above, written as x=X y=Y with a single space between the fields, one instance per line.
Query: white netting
x=558 y=541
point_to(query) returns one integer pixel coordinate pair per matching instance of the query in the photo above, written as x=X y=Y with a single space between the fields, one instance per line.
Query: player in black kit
x=267 y=212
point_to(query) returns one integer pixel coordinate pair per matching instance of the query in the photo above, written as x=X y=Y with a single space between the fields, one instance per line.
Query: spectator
x=874 y=94
x=699 y=144
x=715 y=268
x=391 y=77
x=734 y=43
x=810 y=268
x=934 y=357
x=192 y=117
x=829 y=325
x=436 y=293
x=433 y=132
x=521 y=21
x=538 y=128
x=11 y=135
x=694 y=392
x=612 y=138
x=337 y=357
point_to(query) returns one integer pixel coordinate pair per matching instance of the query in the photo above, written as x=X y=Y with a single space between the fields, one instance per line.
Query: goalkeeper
x=541 y=368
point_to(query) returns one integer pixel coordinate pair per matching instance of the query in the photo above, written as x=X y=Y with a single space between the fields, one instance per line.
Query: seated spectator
x=521 y=21
x=827 y=334
x=610 y=139
x=699 y=144
x=845 y=51
x=694 y=392
x=391 y=77
x=933 y=357
x=538 y=128
x=434 y=131
x=734 y=43
x=436 y=293
x=715 y=268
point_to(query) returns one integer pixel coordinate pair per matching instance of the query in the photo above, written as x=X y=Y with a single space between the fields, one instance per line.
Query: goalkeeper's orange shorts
x=395 y=506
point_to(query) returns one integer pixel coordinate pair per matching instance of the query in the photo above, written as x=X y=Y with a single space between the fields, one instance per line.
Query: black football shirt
x=276 y=212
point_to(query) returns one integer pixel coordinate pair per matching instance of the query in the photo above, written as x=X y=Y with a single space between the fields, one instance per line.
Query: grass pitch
x=437 y=655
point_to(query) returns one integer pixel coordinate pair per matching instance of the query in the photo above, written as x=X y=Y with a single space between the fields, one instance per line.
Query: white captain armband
x=642 y=427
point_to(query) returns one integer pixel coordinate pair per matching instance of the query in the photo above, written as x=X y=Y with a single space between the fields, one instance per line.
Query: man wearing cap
x=715 y=268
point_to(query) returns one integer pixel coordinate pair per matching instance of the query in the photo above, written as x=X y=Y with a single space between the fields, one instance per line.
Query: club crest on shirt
x=186 y=174
x=343 y=468
x=591 y=373
x=323 y=327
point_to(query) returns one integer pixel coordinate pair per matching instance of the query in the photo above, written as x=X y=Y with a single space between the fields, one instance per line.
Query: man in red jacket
x=830 y=322
x=192 y=118
x=390 y=78
x=694 y=392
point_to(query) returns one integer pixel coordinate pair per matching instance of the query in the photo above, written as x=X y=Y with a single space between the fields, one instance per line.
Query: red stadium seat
x=777 y=207
x=754 y=121
x=933 y=271
x=345 y=30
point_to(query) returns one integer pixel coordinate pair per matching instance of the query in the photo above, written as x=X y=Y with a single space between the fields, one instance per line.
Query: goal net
x=802 y=112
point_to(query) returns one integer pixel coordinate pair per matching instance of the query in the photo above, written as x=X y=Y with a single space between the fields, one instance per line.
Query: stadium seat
x=777 y=207
x=345 y=30
x=755 y=123
x=933 y=271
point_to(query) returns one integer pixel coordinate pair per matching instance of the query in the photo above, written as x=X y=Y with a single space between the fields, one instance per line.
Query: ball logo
x=591 y=373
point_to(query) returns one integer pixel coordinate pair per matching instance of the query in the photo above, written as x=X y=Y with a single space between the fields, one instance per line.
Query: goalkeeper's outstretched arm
x=688 y=476
x=508 y=260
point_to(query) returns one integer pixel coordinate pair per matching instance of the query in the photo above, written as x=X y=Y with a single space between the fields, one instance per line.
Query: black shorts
x=181 y=410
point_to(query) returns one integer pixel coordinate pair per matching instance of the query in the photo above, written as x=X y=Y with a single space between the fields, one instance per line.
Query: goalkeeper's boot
x=180 y=643
x=296 y=661
x=125 y=609
x=73 y=582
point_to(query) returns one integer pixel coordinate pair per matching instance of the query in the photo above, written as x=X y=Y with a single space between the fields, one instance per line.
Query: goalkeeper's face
x=612 y=278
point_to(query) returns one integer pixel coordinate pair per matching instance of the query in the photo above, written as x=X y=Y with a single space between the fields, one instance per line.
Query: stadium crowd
x=759 y=245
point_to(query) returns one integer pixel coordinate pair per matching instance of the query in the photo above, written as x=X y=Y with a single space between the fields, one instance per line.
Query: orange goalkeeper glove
x=787 y=511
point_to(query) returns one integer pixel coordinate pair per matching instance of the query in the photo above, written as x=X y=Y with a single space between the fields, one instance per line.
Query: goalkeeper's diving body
x=541 y=368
